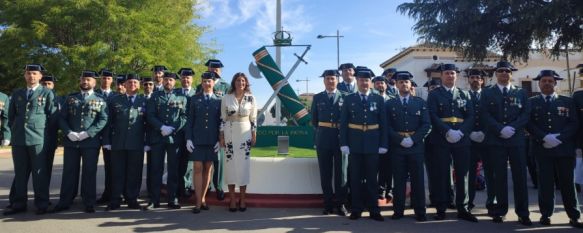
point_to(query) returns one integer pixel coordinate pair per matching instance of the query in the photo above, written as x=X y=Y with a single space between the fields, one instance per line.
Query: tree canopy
x=122 y=35
x=512 y=27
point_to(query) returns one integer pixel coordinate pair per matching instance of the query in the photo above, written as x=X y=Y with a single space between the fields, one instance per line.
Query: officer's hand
x=345 y=150
x=73 y=136
x=217 y=147
x=507 y=132
x=147 y=148
x=166 y=130
x=189 y=146
x=83 y=135
x=407 y=142
x=107 y=147
x=453 y=136
x=477 y=136
x=5 y=142
x=382 y=150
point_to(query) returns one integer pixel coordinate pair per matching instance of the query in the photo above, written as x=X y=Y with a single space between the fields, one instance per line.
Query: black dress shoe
x=576 y=223
x=220 y=195
x=103 y=200
x=173 y=206
x=377 y=217
x=545 y=221
x=204 y=206
x=467 y=216
x=498 y=219
x=9 y=206
x=327 y=211
x=525 y=221
x=243 y=209
x=439 y=216
x=111 y=207
x=421 y=218
x=396 y=216
x=195 y=210
x=89 y=209
x=355 y=215
x=151 y=206
x=451 y=206
x=134 y=205
x=341 y=210
x=59 y=208
x=14 y=211
x=41 y=211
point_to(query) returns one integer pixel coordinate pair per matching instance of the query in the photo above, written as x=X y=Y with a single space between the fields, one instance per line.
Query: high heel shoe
x=242 y=209
x=232 y=209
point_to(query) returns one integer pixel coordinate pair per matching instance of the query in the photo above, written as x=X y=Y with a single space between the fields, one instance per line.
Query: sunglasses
x=148 y=84
x=503 y=71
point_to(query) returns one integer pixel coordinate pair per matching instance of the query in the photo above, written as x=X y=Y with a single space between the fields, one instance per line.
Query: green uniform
x=555 y=115
x=28 y=116
x=185 y=169
x=106 y=195
x=165 y=109
x=385 y=168
x=126 y=135
x=81 y=114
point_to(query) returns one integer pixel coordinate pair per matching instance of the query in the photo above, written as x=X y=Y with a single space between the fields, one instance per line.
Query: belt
x=328 y=124
x=406 y=134
x=363 y=128
x=452 y=120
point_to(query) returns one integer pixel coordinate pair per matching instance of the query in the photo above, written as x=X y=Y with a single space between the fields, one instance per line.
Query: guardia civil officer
x=452 y=118
x=325 y=110
x=166 y=114
x=363 y=136
x=408 y=124
x=391 y=88
x=105 y=82
x=348 y=84
x=504 y=113
x=148 y=87
x=29 y=112
x=124 y=136
x=385 y=170
x=158 y=76
x=83 y=117
x=553 y=126
x=185 y=185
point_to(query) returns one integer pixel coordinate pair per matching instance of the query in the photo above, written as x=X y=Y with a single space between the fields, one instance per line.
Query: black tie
x=206 y=99
x=405 y=102
x=330 y=97
x=504 y=91
x=29 y=94
x=477 y=95
x=363 y=99
x=131 y=99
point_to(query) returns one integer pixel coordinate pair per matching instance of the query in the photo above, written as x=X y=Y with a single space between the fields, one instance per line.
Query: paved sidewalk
x=218 y=219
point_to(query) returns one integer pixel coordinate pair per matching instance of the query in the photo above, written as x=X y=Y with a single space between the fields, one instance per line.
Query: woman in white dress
x=239 y=113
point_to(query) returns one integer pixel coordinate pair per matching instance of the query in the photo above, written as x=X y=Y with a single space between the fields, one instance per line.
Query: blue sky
x=373 y=32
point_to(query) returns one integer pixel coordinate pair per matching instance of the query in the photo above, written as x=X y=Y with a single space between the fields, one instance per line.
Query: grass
x=294 y=152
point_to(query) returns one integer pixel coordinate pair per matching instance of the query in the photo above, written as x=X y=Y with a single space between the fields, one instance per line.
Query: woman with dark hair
x=237 y=135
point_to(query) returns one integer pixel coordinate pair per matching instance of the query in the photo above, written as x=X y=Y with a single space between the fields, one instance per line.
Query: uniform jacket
x=496 y=112
x=371 y=113
x=127 y=123
x=78 y=115
x=169 y=110
x=413 y=118
x=28 y=119
x=325 y=110
x=204 y=120
x=443 y=104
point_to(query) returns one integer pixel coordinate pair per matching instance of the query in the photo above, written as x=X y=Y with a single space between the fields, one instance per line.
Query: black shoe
x=377 y=217
x=41 y=211
x=102 y=201
x=195 y=210
x=59 y=208
x=187 y=193
x=134 y=205
x=9 y=206
x=576 y=223
x=174 y=206
x=545 y=221
x=439 y=216
x=220 y=195
x=498 y=219
x=467 y=216
x=111 y=207
x=396 y=216
x=89 y=209
x=421 y=218
x=204 y=206
x=341 y=210
x=243 y=209
x=525 y=221
x=327 y=211
x=355 y=215
x=14 y=211
x=451 y=206
x=151 y=206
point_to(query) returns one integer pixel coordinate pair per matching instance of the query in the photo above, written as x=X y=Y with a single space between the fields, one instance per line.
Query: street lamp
x=337 y=45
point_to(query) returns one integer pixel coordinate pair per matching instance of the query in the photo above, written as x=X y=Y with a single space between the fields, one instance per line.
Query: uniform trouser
x=430 y=163
x=72 y=168
x=461 y=163
x=385 y=174
x=159 y=153
x=499 y=157
x=149 y=171
x=218 y=171
x=548 y=165
x=126 y=166
x=403 y=166
x=108 y=176
x=184 y=169
x=27 y=159
x=330 y=164
x=50 y=153
x=531 y=164
x=364 y=167
x=479 y=153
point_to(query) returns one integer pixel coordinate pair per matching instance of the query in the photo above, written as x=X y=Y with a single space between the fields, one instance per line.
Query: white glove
x=5 y=142
x=382 y=150
x=345 y=150
x=217 y=147
x=453 y=136
x=477 y=136
x=147 y=148
x=73 y=136
x=166 y=130
x=551 y=141
x=407 y=142
x=578 y=152
x=189 y=146
x=507 y=132
x=83 y=135
x=107 y=147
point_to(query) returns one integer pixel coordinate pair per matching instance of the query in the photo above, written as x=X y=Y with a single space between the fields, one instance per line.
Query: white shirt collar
x=448 y=88
x=331 y=92
x=89 y=92
x=553 y=96
x=366 y=93
x=33 y=88
x=502 y=87
x=408 y=96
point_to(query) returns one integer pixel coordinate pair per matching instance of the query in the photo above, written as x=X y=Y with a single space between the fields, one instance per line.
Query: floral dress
x=239 y=120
